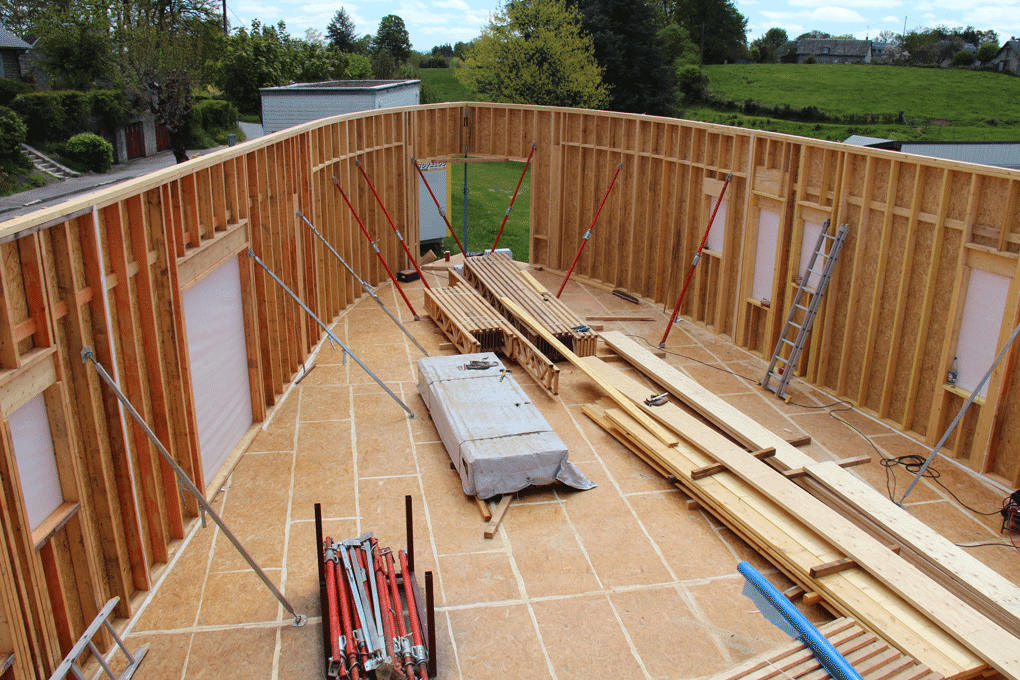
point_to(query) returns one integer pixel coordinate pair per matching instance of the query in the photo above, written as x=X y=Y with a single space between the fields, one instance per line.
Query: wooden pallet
x=497 y=276
x=870 y=655
x=473 y=326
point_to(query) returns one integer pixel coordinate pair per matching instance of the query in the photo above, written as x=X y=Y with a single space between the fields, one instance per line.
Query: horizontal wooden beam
x=839 y=565
x=52 y=524
x=716 y=468
x=19 y=386
x=796 y=473
x=227 y=244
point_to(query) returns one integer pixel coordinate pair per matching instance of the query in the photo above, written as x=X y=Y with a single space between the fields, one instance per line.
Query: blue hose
x=827 y=655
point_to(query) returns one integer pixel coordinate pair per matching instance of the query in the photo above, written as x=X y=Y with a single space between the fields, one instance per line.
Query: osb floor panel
x=620 y=579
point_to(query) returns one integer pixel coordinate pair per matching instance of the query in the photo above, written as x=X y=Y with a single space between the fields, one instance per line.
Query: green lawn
x=940 y=104
x=441 y=85
x=490 y=187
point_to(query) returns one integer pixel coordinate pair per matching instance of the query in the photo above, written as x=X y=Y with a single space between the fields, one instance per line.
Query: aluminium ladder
x=781 y=369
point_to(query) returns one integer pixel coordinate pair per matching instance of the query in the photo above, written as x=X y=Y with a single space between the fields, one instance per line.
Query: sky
x=435 y=22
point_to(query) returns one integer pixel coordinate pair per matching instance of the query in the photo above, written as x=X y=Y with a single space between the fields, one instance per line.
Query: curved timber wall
x=929 y=239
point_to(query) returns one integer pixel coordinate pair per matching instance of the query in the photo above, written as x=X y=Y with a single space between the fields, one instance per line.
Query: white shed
x=290 y=105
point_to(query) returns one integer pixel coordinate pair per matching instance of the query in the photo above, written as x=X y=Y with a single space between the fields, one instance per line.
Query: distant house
x=11 y=49
x=1007 y=58
x=834 y=51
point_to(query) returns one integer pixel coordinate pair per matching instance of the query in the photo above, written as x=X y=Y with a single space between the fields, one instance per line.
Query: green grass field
x=442 y=86
x=490 y=187
x=940 y=104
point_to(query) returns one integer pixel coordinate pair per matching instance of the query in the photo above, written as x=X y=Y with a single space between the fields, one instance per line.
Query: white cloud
x=890 y=18
x=836 y=14
x=453 y=4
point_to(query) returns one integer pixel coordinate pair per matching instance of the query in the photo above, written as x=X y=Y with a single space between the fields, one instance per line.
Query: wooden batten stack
x=496 y=276
x=473 y=326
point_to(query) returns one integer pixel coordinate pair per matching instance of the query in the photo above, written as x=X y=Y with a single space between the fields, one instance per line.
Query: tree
x=164 y=45
x=636 y=67
x=987 y=52
x=725 y=28
x=813 y=35
x=770 y=46
x=534 y=52
x=341 y=33
x=392 y=36
x=678 y=45
x=267 y=56
x=78 y=46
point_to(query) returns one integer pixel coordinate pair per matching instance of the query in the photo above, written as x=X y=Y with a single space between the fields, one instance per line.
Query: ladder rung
x=788 y=342
x=795 y=325
x=800 y=306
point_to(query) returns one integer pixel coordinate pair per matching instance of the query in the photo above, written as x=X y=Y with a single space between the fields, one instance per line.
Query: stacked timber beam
x=918 y=615
x=473 y=326
x=497 y=276
x=927 y=617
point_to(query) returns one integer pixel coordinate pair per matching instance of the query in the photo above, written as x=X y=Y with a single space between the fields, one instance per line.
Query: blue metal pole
x=827 y=655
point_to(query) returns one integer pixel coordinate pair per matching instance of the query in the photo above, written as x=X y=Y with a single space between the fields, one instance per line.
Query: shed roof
x=837 y=47
x=10 y=41
x=335 y=86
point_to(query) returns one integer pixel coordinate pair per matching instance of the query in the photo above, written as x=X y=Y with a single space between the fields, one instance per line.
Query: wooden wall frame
x=106 y=270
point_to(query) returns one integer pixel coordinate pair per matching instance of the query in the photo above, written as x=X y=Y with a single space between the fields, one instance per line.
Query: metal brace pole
x=368 y=288
x=959 y=416
x=88 y=355
x=331 y=334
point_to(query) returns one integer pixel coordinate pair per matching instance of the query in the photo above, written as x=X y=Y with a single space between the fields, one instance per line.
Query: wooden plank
x=724 y=416
x=987 y=590
x=660 y=433
x=983 y=637
x=853 y=461
x=716 y=468
x=836 y=566
x=212 y=253
x=794 y=549
x=18 y=387
x=54 y=523
x=497 y=516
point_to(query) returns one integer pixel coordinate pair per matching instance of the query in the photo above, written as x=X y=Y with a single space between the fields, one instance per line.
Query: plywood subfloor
x=622 y=578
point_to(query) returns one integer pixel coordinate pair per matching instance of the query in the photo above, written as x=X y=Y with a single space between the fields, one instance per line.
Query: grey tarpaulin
x=496 y=437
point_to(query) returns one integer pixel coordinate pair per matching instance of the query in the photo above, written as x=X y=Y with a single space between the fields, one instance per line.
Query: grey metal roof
x=838 y=48
x=861 y=140
x=333 y=86
x=10 y=41
x=999 y=154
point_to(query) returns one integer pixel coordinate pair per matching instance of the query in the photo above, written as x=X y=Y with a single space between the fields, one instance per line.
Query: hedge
x=90 y=150
x=12 y=132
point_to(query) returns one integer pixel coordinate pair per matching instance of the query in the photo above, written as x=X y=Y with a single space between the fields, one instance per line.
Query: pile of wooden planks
x=473 y=326
x=854 y=573
x=497 y=276
x=851 y=572
x=870 y=656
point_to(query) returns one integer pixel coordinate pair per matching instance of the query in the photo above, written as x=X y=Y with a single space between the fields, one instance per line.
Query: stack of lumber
x=870 y=656
x=497 y=276
x=819 y=549
x=473 y=326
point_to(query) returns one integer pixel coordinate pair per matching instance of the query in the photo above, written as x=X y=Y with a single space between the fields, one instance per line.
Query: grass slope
x=442 y=85
x=940 y=104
